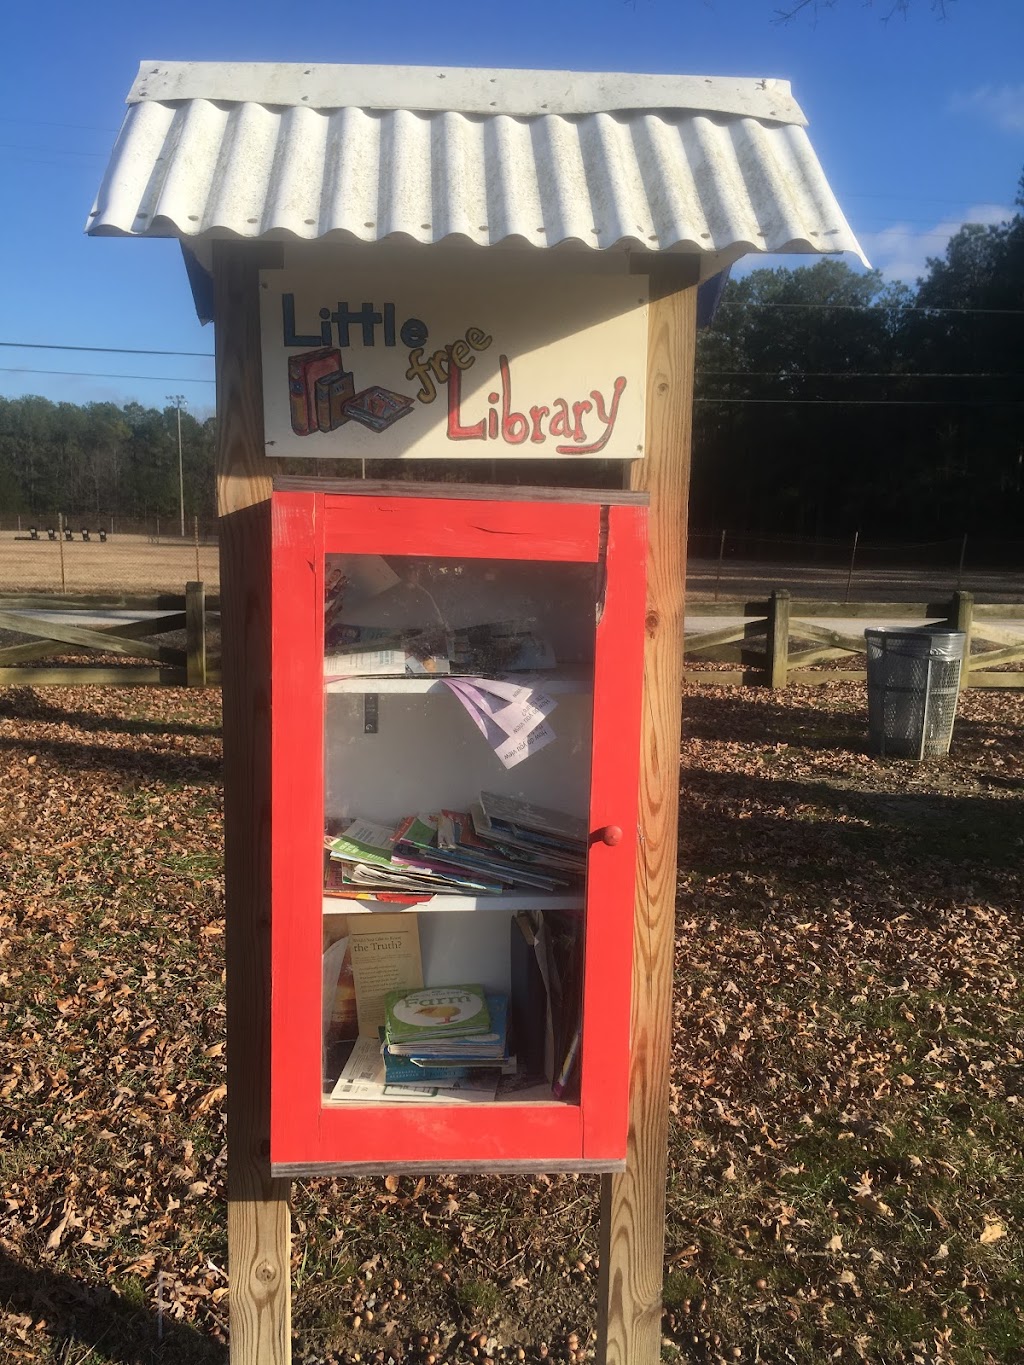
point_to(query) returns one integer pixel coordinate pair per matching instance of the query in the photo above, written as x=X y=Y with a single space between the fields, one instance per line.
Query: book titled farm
x=385 y=950
x=438 y=1012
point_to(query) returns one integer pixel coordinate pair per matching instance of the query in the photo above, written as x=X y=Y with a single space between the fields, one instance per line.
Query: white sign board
x=429 y=361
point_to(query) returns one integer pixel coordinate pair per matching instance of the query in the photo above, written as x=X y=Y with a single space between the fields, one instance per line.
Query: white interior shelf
x=342 y=905
x=555 y=684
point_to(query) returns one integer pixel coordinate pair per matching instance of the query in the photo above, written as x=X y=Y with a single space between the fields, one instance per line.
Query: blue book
x=404 y=1071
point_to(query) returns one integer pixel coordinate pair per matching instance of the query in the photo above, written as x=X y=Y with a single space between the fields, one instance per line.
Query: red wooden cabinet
x=546 y=594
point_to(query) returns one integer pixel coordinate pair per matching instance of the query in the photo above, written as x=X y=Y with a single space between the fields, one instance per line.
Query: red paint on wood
x=618 y=680
x=305 y=1130
x=473 y=530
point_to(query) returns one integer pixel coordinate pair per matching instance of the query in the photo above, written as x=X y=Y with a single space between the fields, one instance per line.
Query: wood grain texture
x=980 y=679
x=556 y=531
x=244 y=474
x=962 y=618
x=485 y=492
x=778 y=638
x=633 y=1203
x=195 y=634
x=108 y=641
x=92 y=677
x=125 y=630
x=259 y=1224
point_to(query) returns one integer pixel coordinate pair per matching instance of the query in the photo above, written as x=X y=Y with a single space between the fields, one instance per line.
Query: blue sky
x=919 y=124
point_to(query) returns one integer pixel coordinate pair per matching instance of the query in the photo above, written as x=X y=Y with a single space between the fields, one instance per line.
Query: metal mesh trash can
x=913 y=682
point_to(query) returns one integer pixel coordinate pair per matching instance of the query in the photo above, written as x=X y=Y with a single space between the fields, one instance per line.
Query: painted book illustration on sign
x=303 y=373
x=378 y=408
x=332 y=393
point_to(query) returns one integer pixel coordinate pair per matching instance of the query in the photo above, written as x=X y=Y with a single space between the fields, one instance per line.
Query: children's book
x=484 y=1048
x=436 y=1013
x=363 y=1080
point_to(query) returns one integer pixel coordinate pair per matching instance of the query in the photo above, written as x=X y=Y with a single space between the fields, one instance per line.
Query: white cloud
x=1003 y=105
x=901 y=251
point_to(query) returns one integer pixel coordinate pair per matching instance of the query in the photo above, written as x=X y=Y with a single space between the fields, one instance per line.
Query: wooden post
x=778 y=638
x=721 y=552
x=259 y=1222
x=195 y=634
x=632 y=1237
x=961 y=618
x=60 y=541
x=853 y=558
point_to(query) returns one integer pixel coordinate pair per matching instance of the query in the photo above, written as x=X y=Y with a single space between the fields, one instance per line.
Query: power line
x=43 y=123
x=921 y=310
x=876 y=402
x=95 y=374
x=47 y=151
x=783 y=374
x=106 y=350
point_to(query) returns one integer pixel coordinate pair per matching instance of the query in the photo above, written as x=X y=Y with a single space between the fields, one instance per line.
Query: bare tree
x=888 y=9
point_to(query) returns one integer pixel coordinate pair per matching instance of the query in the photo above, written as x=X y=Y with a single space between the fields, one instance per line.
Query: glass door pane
x=458 y=710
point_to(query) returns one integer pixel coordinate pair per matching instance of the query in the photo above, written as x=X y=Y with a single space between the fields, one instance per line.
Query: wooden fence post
x=961 y=618
x=777 y=643
x=632 y=1234
x=195 y=634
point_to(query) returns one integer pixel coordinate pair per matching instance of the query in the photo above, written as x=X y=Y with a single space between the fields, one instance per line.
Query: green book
x=436 y=1012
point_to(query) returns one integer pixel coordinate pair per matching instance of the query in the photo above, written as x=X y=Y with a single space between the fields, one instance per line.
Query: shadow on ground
x=77 y=1316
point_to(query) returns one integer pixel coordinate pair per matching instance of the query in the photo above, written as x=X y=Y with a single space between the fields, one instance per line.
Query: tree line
x=95 y=461
x=829 y=402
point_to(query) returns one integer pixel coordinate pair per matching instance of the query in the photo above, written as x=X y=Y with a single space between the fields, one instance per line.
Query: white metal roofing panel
x=662 y=178
x=469 y=90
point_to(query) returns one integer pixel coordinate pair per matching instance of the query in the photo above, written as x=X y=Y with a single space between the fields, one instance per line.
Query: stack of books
x=431 y=1032
x=433 y=651
x=500 y=844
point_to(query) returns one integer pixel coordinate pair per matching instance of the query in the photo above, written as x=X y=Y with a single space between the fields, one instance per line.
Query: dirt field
x=122 y=564
x=137 y=563
x=752 y=579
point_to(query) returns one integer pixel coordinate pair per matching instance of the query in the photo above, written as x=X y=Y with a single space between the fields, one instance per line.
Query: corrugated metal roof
x=375 y=153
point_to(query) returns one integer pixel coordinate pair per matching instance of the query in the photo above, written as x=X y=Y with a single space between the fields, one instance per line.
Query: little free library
x=455 y=323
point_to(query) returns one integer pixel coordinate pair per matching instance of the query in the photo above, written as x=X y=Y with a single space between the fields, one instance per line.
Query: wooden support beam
x=732 y=677
x=259 y=1222
x=803 y=677
x=195 y=634
x=778 y=638
x=710 y=639
x=960 y=618
x=803 y=657
x=164 y=601
x=996 y=635
x=86 y=676
x=125 y=630
x=994 y=657
x=728 y=606
x=632 y=1237
x=979 y=678
x=110 y=641
x=835 y=639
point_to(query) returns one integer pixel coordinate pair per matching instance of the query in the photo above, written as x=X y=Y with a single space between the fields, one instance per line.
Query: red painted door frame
x=305 y=1134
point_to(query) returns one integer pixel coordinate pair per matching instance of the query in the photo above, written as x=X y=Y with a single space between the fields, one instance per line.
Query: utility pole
x=177 y=399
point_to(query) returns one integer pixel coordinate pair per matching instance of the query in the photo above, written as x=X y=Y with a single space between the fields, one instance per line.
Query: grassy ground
x=846 y=1168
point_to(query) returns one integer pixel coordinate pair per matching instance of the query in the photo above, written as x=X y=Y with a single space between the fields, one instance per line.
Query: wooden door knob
x=611 y=835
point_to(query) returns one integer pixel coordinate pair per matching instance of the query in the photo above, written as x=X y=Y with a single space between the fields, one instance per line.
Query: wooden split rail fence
x=771 y=642
x=54 y=633
x=776 y=642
